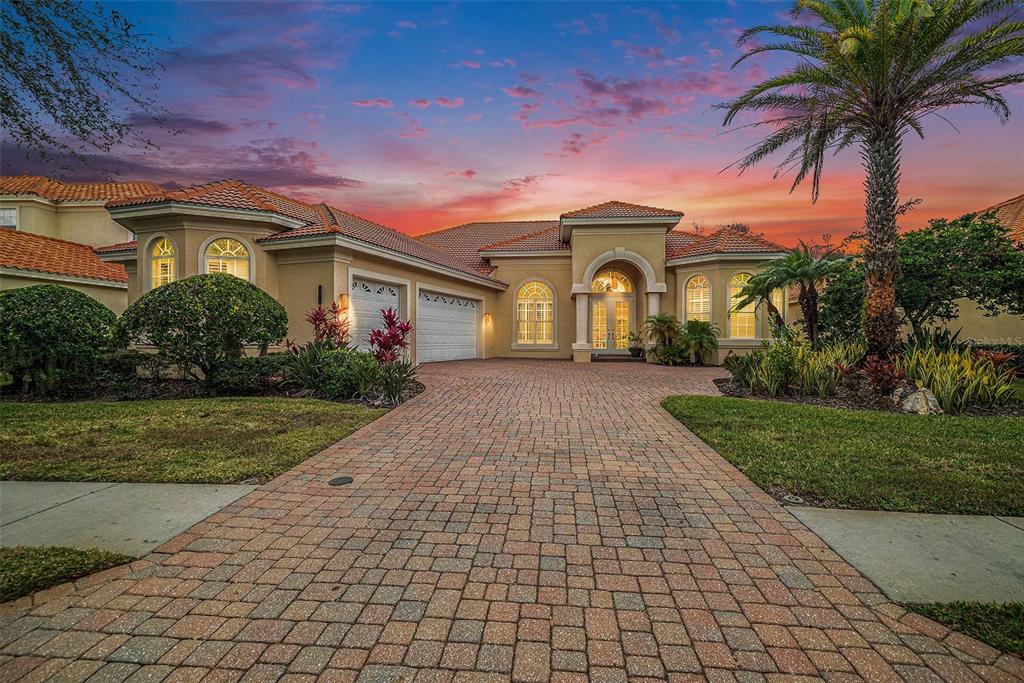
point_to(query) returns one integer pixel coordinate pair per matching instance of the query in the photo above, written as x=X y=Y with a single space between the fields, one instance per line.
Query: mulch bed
x=857 y=400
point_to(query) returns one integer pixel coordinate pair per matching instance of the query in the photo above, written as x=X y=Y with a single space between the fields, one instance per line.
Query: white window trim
x=17 y=215
x=729 y=311
x=147 y=252
x=516 y=345
x=686 y=297
x=206 y=245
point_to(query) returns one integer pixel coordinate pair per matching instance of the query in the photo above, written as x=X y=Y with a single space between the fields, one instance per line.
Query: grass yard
x=25 y=570
x=220 y=440
x=868 y=460
x=1001 y=626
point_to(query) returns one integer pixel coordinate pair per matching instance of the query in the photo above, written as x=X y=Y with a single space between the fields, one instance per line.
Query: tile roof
x=724 y=241
x=465 y=241
x=548 y=239
x=58 y=191
x=615 y=209
x=29 y=251
x=116 y=248
x=1011 y=214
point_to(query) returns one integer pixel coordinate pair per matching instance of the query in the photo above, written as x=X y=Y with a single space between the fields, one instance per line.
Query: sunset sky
x=423 y=116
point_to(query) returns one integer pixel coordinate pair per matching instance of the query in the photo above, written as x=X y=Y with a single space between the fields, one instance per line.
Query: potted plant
x=636 y=344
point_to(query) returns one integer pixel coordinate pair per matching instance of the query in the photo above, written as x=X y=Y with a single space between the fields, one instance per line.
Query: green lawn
x=220 y=440
x=1001 y=626
x=863 y=459
x=25 y=570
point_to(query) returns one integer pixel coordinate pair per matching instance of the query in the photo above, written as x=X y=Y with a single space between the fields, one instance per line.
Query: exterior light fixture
x=343 y=303
x=487 y=318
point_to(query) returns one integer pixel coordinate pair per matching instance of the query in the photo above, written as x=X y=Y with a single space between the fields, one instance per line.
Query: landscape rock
x=911 y=399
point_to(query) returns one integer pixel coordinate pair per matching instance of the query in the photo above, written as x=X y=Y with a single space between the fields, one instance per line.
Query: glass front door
x=611 y=323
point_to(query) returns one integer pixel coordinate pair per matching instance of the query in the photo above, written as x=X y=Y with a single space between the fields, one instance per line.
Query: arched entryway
x=613 y=311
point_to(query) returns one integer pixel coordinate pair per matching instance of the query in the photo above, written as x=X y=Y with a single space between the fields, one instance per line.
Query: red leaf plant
x=389 y=342
x=328 y=325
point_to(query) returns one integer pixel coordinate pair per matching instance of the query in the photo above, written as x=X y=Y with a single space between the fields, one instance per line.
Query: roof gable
x=616 y=209
x=723 y=241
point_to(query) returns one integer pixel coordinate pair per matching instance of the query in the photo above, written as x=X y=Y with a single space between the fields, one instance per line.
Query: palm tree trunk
x=809 y=308
x=881 y=154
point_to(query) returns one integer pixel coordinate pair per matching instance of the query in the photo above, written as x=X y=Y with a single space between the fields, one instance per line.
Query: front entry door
x=611 y=322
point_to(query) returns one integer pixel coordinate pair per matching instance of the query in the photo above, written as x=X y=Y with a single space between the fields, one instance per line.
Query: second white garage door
x=446 y=327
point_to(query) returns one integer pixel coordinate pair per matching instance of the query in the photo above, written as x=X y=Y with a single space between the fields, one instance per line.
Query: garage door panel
x=366 y=300
x=446 y=327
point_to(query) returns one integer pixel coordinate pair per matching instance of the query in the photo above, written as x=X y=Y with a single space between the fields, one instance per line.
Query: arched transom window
x=611 y=281
x=535 y=314
x=742 y=321
x=162 y=262
x=698 y=298
x=228 y=256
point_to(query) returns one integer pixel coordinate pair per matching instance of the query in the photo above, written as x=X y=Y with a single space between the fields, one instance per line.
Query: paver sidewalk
x=521 y=520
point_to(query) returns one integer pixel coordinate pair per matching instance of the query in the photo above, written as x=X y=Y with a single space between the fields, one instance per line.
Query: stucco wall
x=556 y=271
x=85 y=223
x=114 y=298
x=1000 y=329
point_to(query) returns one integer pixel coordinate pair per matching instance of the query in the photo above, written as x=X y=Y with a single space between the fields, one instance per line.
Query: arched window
x=742 y=322
x=779 y=302
x=698 y=298
x=229 y=256
x=535 y=314
x=162 y=262
x=611 y=281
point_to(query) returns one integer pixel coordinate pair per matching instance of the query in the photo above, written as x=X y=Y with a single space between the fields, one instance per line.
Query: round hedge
x=49 y=329
x=203 y=321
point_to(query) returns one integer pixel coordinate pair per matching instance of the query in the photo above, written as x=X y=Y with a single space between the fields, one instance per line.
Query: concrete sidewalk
x=130 y=518
x=927 y=558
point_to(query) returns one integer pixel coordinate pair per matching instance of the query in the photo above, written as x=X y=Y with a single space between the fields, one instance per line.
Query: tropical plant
x=867 y=72
x=819 y=371
x=389 y=342
x=801 y=268
x=701 y=338
x=742 y=366
x=676 y=353
x=636 y=340
x=663 y=328
x=306 y=365
x=841 y=305
x=758 y=291
x=204 y=321
x=958 y=378
x=51 y=337
x=940 y=339
x=776 y=369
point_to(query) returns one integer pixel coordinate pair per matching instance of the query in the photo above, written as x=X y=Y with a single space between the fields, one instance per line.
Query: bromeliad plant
x=958 y=378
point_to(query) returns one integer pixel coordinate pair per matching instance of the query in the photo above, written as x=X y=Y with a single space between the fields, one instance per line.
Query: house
x=48 y=229
x=574 y=287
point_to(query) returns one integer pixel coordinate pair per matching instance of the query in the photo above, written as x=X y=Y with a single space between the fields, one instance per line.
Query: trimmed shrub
x=248 y=375
x=204 y=321
x=51 y=337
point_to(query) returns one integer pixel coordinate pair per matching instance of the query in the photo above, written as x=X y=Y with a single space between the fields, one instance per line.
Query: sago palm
x=663 y=328
x=800 y=268
x=868 y=72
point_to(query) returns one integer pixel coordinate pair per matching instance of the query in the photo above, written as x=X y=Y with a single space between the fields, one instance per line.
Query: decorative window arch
x=742 y=321
x=535 y=313
x=698 y=298
x=162 y=261
x=611 y=280
x=227 y=255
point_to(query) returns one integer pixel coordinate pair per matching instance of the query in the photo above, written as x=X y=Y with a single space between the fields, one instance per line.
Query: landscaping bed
x=211 y=440
x=999 y=625
x=25 y=570
x=862 y=459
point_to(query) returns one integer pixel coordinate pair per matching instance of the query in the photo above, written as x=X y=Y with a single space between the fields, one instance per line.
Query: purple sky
x=428 y=115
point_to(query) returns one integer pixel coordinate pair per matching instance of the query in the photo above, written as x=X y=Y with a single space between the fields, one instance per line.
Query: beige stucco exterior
x=81 y=222
x=112 y=295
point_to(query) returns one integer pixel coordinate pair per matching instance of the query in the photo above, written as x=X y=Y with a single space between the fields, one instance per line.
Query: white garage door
x=366 y=300
x=446 y=327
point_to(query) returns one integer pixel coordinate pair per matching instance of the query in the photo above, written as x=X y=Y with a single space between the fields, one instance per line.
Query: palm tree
x=663 y=328
x=869 y=71
x=802 y=268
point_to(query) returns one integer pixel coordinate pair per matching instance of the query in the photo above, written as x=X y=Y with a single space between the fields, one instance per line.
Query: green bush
x=204 y=321
x=702 y=339
x=51 y=337
x=349 y=374
x=676 y=353
x=958 y=378
x=820 y=371
x=742 y=366
x=247 y=376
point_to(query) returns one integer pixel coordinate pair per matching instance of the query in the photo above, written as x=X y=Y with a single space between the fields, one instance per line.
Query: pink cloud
x=412 y=130
x=381 y=102
x=498 y=64
x=470 y=118
x=470 y=64
x=468 y=173
x=576 y=143
x=421 y=103
x=449 y=102
x=521 y=91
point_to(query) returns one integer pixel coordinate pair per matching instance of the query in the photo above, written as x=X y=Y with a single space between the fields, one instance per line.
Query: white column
x=653 y=303
x=582 y=318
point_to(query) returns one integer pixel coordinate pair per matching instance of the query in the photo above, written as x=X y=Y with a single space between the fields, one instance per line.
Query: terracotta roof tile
x=724 y=241
x=58 y=191
x=1011 y=214
x=615 y=209
x=465 y=241
x=677 y=240
x=117 y=248
x=29 y=251
x=547 y=239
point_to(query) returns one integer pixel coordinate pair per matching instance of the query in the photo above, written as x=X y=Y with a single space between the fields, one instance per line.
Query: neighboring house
x=566 y=288
x=48 y=230
x=972 y=321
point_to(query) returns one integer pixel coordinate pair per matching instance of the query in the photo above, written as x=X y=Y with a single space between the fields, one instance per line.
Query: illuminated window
x=698 y=298
x=611 y=281
x=162 y=262
x=228 y=256
x=741 y=321
x=535 y=314
x=779 y=302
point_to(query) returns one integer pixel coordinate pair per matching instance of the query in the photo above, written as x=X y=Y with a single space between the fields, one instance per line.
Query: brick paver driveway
x=524 y=520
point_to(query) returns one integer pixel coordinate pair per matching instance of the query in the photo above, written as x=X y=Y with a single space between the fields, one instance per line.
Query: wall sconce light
x=343 y=303
x=487 y=318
